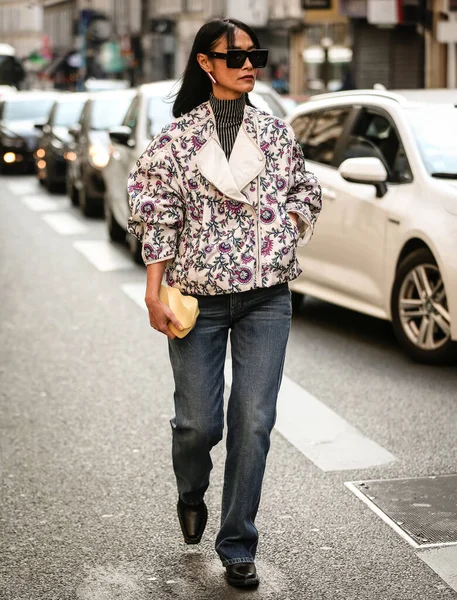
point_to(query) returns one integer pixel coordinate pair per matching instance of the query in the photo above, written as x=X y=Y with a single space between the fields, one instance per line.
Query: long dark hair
x=196 y=85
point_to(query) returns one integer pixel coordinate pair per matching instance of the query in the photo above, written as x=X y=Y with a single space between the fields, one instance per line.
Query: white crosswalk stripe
x=44 y=203
x=135 y=291
x=104 y=256
x=25 y=187
x=321 y=435
x=65 y=223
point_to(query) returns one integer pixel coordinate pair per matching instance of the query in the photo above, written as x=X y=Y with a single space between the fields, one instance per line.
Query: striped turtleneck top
x=229 y=116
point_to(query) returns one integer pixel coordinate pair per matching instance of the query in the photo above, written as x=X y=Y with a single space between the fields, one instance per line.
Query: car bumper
x=16 y=159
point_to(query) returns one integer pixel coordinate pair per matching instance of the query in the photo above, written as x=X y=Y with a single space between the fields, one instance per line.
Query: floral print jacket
x=223 y=226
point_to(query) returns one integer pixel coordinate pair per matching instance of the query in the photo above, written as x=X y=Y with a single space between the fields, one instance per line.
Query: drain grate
x=423 y=510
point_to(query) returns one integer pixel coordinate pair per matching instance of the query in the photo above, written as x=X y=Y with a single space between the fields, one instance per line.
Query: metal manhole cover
x=423 y=510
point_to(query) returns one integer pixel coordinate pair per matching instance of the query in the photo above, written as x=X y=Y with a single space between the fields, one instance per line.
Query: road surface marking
x=22 y=188
x=135 y=291
x=444 y=562
x=104 y=256
x=43 y=203
x=324 y=437
x=64 y=223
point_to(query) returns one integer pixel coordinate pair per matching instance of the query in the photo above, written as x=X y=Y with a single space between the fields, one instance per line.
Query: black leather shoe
x=242 y=574
x=192 y=520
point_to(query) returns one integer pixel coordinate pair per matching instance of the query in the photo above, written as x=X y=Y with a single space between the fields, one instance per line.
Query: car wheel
x=297 y=302
x=86 y=204
x=135 y=248
x=51 y=185
x=72 y=192
x=115 y=231
x=420 y=314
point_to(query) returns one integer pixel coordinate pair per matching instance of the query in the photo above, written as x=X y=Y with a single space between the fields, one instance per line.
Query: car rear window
x=27 y=110
x=109 y=111
x=68 y=113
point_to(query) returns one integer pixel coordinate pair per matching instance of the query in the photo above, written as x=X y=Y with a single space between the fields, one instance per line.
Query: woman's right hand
x=160 y=315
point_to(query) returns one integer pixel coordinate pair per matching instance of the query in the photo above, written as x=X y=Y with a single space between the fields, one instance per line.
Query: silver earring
x=211 y=77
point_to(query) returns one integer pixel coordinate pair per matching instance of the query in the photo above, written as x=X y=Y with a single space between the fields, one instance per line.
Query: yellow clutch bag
x=185 y=308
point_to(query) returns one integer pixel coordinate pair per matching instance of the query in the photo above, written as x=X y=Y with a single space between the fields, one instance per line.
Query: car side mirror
x=367 y=170
x=122 y=135
x=39 y=126
x=75 y=131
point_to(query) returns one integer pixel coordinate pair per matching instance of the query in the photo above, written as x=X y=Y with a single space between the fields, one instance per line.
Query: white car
x=386 y=241
x=149 y=112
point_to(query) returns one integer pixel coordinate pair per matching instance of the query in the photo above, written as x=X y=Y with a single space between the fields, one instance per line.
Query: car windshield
x=27 y=110
x=109 y=111
x=435 y=130
x=68 y=113
x=159 y=114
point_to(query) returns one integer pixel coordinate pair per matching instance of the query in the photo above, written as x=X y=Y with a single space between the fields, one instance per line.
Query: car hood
x=61 y=133
x=446 y=190
x=19 y=128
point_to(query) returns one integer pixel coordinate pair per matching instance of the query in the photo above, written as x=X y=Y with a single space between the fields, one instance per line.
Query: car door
x=121 y=157
x=360 y=241
x=79 y=146
x=320 y=134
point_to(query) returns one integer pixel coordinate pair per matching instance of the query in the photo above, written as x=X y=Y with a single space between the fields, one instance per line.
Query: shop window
x=375 y=135
x=320 y=139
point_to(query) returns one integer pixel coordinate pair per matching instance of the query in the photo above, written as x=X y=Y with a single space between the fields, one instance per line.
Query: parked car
x=386 y=241
x=90 y=148
x=267 y=99
x=149 y=112
x=19 y=112
x=53 y=152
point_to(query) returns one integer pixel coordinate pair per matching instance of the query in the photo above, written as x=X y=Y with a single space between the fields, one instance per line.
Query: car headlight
x=12 y=142
x=99 y=156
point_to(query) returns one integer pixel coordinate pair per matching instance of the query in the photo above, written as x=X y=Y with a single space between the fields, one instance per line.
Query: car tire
x=297 y=302
x=135 y=249
x=52 y=186
x=420 y=315
x=86 y=204
x=115 y=231
x=72 y=192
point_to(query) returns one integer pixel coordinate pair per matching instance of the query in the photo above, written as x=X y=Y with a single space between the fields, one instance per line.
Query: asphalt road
x=88 y=494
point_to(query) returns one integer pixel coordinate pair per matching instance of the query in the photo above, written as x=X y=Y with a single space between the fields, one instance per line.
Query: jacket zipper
x=259 y=253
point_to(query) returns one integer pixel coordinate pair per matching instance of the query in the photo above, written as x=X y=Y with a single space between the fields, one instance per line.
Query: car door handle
x=328 y=194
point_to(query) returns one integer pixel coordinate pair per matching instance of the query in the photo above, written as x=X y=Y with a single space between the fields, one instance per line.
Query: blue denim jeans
x=258 y=322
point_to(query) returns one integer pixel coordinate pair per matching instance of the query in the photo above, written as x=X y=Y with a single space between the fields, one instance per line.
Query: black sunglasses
x=236 y=58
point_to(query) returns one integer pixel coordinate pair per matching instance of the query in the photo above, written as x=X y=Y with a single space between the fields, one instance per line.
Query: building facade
x=21 y=26
x=315 y=45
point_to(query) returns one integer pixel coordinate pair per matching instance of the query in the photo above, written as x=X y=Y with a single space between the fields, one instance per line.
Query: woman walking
x=220 y=200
